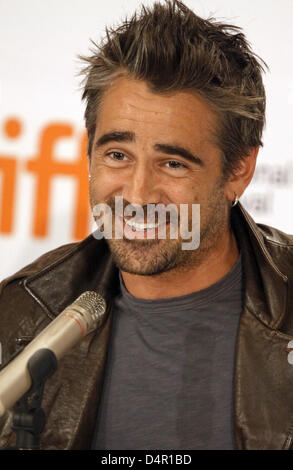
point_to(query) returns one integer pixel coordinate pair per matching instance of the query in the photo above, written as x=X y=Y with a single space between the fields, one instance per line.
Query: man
x=193 y=352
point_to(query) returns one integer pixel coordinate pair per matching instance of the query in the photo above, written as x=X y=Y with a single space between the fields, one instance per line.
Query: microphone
x=84 y=315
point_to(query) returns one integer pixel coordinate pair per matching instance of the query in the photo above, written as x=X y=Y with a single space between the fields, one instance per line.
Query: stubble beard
x=158 y=256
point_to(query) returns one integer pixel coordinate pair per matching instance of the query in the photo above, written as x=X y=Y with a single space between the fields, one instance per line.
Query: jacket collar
x=265 y=285
x=88 y=265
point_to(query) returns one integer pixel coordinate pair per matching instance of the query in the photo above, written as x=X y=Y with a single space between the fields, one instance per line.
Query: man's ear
x=239 y=180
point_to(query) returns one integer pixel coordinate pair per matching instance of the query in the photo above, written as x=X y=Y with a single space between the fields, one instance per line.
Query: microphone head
x=94 y=304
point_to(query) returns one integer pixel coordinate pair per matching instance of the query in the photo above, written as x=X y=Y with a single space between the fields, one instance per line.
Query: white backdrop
x=39 y=87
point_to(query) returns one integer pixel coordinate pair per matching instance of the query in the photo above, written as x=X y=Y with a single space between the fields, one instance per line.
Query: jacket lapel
x=72 y=395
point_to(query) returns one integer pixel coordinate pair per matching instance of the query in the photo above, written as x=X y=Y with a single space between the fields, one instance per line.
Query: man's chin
x=143 y=257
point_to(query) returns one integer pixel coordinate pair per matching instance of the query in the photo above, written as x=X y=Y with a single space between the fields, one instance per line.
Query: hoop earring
x=235 y=201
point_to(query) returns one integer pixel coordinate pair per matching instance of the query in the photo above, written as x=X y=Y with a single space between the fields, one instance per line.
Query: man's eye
x=118 y=156
x=175 y=165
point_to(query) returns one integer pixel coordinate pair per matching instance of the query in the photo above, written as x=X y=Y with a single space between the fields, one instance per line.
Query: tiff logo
x=45 y=165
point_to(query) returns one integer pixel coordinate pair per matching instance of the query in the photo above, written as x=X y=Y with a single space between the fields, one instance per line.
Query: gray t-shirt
x=169 y=374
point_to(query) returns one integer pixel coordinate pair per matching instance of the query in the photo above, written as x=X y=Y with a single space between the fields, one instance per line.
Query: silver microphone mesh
x=93 y=303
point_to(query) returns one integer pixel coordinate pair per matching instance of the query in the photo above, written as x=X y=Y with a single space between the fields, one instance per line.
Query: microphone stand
x=29 y=419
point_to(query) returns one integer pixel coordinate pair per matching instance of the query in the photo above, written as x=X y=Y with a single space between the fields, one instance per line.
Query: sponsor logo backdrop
x=43 y=164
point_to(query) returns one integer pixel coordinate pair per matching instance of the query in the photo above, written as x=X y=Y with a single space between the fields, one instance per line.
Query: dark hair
x=172 y=49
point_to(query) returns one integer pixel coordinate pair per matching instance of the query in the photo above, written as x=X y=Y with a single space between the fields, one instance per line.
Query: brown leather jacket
x=263 y=379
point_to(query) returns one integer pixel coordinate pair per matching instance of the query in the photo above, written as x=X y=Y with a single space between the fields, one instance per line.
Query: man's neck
x=178 y=282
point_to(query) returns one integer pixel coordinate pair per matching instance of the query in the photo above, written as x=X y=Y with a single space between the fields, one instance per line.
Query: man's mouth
x=133 y=230
x=139 y=227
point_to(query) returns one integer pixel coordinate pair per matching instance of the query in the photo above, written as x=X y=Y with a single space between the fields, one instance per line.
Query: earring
x=89 y=177
x=235 y=200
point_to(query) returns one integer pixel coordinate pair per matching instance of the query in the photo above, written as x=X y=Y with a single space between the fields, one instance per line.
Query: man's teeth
x=137 y=226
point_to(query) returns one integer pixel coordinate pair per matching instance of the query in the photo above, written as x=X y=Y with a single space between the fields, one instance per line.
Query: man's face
x=151 y=149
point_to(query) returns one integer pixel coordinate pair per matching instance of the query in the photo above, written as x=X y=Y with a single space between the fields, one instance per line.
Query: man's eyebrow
x=175 y=150
x=116 y=136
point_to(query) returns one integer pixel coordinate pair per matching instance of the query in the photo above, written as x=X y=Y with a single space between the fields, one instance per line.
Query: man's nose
x=140 y=186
